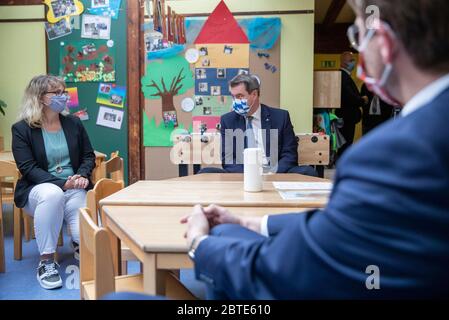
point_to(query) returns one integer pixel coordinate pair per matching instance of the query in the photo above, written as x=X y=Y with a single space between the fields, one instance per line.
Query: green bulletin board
x=103 y=139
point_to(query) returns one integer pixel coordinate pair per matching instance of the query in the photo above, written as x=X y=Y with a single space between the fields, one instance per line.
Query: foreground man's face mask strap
x=378 y=86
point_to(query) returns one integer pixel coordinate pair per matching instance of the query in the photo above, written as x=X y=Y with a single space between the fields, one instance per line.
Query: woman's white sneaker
x=48 y=275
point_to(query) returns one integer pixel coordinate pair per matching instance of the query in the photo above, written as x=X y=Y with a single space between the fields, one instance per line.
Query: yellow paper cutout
x=63 y=9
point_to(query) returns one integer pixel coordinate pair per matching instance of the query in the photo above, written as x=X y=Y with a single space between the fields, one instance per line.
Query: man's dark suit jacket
x=271 y=118
x=369 y=122
x=351 y=101
x=29 y=153
x=389 y=209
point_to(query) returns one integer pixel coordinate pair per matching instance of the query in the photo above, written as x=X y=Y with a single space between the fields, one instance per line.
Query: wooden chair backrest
x=113 y=168
x=102 y=189
x=196 y=149
x=8 y=170
x=96 y=261
x=313 y=149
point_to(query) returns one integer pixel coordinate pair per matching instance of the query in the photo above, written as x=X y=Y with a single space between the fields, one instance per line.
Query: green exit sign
x=328 y=64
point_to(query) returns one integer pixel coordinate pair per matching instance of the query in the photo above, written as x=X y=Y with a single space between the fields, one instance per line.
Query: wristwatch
x=195 y=242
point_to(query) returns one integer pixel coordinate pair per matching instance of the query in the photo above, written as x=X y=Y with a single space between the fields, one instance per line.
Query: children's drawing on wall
x=111 y=95
x=164 y=80
x=73 y=101
x=224 y=50
x=87 y=61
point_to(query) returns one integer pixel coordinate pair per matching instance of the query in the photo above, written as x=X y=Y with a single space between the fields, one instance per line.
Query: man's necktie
x=251 y=140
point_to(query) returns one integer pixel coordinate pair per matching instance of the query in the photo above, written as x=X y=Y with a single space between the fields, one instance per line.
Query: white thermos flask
x=252 y=170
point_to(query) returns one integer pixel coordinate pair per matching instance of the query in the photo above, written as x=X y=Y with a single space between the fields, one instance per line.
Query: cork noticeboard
x=327 y=89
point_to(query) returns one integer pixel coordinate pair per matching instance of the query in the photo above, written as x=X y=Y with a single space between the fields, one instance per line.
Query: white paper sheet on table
x=293 y=185
x=313 y=195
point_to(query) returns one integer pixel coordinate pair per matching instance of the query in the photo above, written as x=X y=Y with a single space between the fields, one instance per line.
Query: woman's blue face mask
x=58 y=103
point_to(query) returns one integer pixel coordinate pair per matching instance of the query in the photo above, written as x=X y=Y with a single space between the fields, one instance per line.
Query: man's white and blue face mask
x=240 y=106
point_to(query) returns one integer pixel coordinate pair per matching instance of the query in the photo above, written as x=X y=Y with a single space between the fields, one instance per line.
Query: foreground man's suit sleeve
x=389 y=209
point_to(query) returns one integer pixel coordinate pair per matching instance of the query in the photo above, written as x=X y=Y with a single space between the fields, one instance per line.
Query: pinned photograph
x=154 y=42
x=243 y=71
x=100 y=4
x=199 y=100
x=95 y=27
x=62 y=8
x=203 y=51
x=200 y=73
x=221 y=73
x=111 y=95
x=207 y=111
x=203 y=87
x=116 y=99
x=89 y=49
x=58 y=29
x=215 y=90
x=170 y=118
x=205 y=62
x=105 y=88
x=109 y=8
x=111 y=118
x=228 y=49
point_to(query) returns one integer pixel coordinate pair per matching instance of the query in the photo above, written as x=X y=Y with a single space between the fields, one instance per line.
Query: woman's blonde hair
x=31 y=108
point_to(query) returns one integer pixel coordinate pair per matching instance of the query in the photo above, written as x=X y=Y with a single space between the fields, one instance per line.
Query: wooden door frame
x=136 y=103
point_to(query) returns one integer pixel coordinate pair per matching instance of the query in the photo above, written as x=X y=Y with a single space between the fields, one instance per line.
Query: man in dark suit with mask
x=351 y=101
x=255 y=125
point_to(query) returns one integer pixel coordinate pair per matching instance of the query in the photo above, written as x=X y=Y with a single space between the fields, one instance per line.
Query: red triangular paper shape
x=221 y=27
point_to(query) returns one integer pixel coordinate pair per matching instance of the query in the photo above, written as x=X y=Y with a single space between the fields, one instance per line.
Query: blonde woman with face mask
x=56 y=159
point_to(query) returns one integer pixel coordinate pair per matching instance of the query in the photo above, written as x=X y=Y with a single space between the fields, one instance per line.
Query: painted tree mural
x=165 y=79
